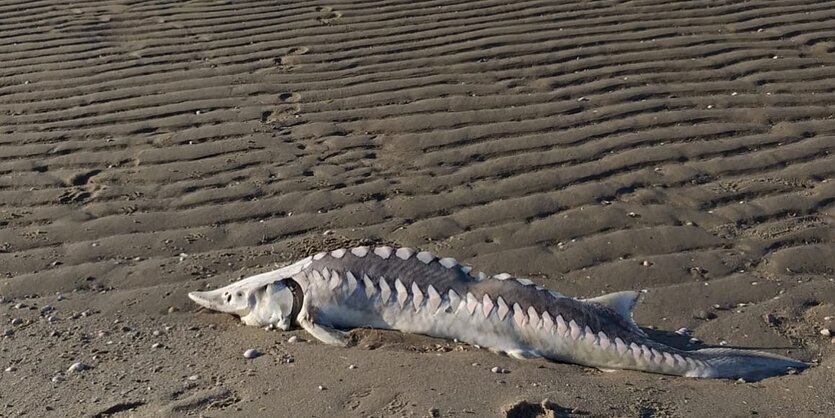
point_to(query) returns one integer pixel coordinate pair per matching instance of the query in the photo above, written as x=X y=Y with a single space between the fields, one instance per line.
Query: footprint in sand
x=281 y=114
x=328 y=15
x=293 y=56
x=286 y=110
x=77 y=188
x=289 y=97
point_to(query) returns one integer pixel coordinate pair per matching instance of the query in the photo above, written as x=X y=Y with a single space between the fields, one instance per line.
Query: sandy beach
x=148 y=149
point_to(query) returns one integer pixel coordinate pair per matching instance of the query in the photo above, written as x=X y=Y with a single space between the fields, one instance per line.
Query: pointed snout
x=211 y=300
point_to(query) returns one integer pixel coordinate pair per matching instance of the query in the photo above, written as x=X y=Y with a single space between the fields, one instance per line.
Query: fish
x=402 y=289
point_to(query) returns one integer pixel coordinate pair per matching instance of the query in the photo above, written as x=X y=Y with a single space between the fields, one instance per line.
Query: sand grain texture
x=152 y=148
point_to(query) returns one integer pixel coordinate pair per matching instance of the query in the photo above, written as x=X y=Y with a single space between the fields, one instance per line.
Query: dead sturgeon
x=416 y=292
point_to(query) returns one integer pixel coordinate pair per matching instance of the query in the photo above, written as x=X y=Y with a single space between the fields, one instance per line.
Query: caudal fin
x=729 y=363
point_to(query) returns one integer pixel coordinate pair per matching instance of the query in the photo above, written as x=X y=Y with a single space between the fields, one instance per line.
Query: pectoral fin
x=321 y=332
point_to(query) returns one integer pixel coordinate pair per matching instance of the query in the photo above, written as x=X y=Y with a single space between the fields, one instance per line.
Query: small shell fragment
x=77 y=367
x=251 y=353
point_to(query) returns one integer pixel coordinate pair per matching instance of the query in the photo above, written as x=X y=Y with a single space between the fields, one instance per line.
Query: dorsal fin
x=620 y=302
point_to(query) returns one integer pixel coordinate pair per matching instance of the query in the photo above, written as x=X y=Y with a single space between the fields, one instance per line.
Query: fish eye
x=228 y=297
x=240 y=294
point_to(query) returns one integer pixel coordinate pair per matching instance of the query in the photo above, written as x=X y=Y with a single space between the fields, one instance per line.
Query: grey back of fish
x=429 y=271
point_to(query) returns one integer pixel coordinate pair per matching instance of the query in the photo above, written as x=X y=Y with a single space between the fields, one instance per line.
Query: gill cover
x=273 y=304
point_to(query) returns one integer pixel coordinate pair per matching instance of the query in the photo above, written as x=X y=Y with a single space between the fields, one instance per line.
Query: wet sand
x=150 y=149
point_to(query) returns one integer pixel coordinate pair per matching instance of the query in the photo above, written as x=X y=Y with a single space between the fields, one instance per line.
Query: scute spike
x=604 y=340
x=534 y=316
x=448 y=262
x=656 y=355
x=402 y=293
x=576 y=332
x=336 y=280
x=590 y=337
x=359 y=251
x=383 y=252
x=425 y=257
x=524 y=282
x=472 y=303
x=434 y=298
x=621 y=347
x=562 y=327
x=502 y=308
x=338 y=253
x=519 y=315
x=385 y=290
x=487 y=305
x=636 y=351
x=404 y=253
x=417 y=296
x=647 y=353
x=454 y=300
x=352 y=282
x=370 y=290
x=547 y=322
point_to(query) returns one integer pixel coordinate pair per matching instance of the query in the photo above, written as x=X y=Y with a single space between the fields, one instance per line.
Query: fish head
x=256 y=302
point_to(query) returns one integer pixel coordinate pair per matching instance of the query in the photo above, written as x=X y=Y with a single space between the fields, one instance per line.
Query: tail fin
x=729 y=363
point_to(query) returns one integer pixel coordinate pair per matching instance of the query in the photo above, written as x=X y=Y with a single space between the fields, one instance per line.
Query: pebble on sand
x=499 y=370
x=251 y=353
x=77 y=367
x=826 y=332
x=294 y=339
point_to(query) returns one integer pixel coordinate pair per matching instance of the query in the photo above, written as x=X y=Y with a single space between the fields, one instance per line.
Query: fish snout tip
x=194 y=296
x=201 y=299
